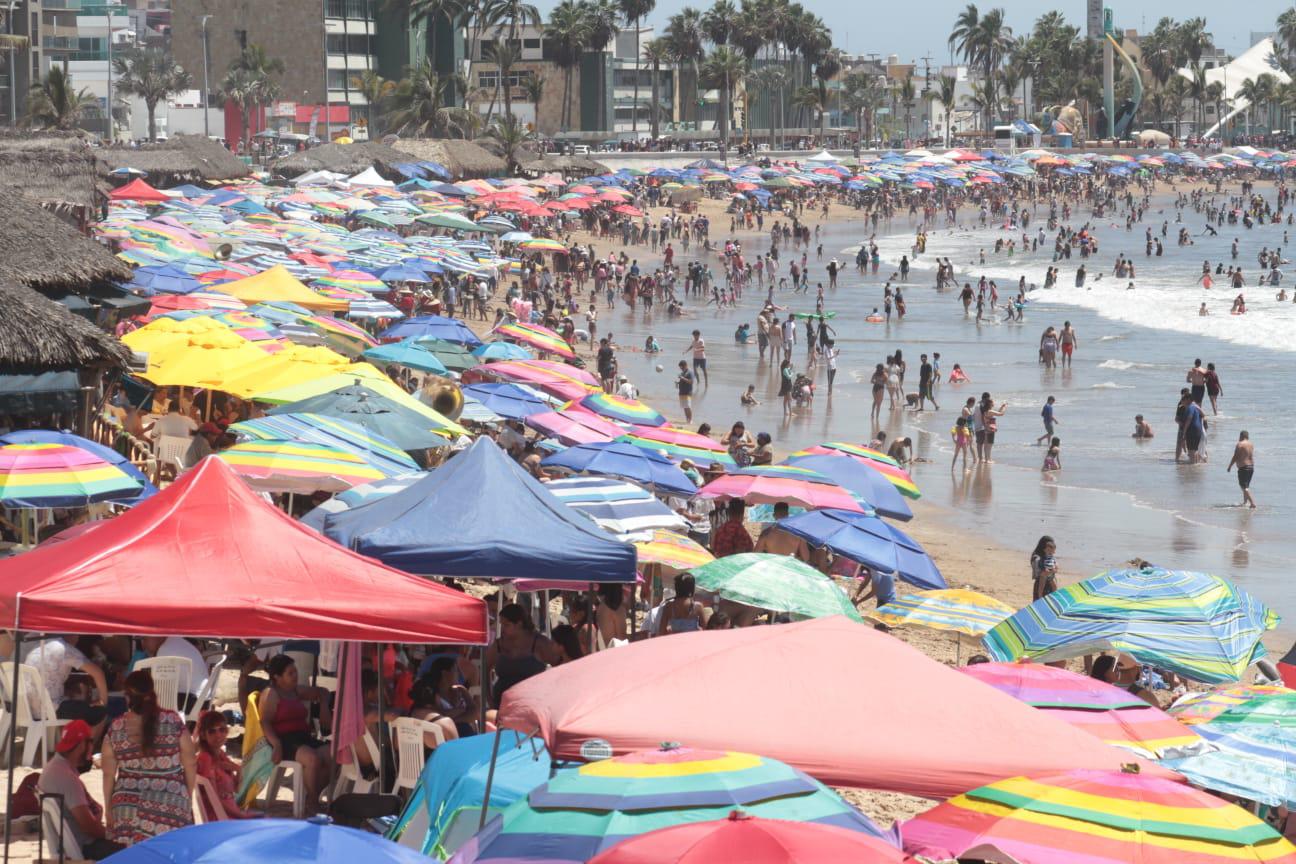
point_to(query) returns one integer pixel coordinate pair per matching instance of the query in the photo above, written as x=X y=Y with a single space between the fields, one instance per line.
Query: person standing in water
x=1244 y=459
x=1069 y=342
x=1214 y=389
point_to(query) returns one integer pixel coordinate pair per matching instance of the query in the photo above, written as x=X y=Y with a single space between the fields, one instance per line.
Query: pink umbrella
x=675 y=435
x=561 y=386
x=760 y=489
x=564 y=369
x=574 y=427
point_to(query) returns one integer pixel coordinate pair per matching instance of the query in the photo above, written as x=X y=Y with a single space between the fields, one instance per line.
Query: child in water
x=962 y=438
x=651 y=346
x=958 y=376
x=749 y=397
x=1053 y=458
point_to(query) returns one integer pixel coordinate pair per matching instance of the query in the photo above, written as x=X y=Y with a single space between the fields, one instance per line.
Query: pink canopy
x=843 y=702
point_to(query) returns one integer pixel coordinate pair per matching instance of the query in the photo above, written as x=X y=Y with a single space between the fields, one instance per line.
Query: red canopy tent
x=138 y=190
x=846 y=704
x=208 y=557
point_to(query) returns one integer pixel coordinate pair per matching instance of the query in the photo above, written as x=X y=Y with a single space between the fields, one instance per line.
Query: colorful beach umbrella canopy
x=371 y=446
x=860 y=478
x=1205 y=706
x=618 y=506
x=540 y=338
x=622 y=410
x=880 y=462
x=616 y=459
x=408 y=352
x=292 y=466
x=1093 y=817
x=778 y=583
x=1252 y=762
x=864 y=538
x=674 y=552
x=1201 y=626
x=285 y=841
x=46 y=474
x=796 y=487
x=959 y=610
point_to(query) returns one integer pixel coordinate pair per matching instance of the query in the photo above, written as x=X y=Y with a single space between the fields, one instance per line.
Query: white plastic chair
x=289 y=770
x=206 y=799
x=305 y=663
x=410 y=757
x=170 y=451
x=350 y=778
x=59 y=844
x=213 y=675
x=38 y=740
x=169 y=673
x=328 y=656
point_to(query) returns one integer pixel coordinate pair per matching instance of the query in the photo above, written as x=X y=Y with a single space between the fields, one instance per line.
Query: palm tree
x=1197 y=92
x=533 y=86
x=376 y=90
x=418 y=104
x=565 y=35
x=962 y=39
x=151 y=74
x=1258 y=92
x=684 y=35
x=808 y=100
x=1287 y=32
x=502 y=53
x=1177 y=91
x=54 y=103
x=724 y=68
x=863 y=95
x=656 y=52
x=259 y=87
x=1214 y=95
x=509 y=136
x=994 y=41
x=239 y=87
x=634 y=12
x=904 y=96
x=1010 y=76
x=828 y=66
x=603 y=18
x=719 y=21
x=946 y=93
x=769 y=80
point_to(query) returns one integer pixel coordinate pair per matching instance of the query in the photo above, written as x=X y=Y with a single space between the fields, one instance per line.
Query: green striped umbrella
x=779 y=583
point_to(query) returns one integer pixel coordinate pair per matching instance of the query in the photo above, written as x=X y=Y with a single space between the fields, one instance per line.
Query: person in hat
x=206 y=442
x=625 y=389
x=62 y=776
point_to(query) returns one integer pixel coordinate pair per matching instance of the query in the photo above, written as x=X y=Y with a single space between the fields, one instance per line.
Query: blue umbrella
x=165 y=277
x=502 y=351
x=617 y=459
x=403 y=273
x=506 y=400
x=284 y=841
x=1253 y=762
x=855 y=476
x=407 y=353
x=109 y=455
x=432 y=327
x=868 y=540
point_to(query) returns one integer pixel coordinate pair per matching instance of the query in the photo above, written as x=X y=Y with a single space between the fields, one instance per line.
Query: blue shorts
x=699 y=363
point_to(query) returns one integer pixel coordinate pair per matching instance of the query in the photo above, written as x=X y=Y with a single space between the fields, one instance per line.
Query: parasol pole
x=481 y=822
x=13 y=729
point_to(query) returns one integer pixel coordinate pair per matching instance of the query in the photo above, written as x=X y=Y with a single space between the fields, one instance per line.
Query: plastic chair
x=289 y=770
x=56 y=827
x=305 y=663
x=169 y=673
x=410 y=757
x=350 y=778
x=38 y=739
x=328 y=656
x=207 y=801
x=170 y=451
x=213 y=674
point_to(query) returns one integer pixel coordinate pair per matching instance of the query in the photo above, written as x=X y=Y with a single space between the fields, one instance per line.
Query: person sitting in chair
x=62 y=776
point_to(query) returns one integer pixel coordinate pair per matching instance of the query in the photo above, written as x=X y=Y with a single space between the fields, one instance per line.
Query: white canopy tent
x=1255 y=61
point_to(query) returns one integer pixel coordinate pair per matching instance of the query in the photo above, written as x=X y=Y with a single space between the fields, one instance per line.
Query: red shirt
x=731 y=538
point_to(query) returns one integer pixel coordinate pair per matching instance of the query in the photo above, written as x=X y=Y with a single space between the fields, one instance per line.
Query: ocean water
x=1116 y=498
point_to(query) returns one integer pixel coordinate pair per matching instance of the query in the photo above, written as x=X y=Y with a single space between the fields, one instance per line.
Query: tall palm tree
x=827 y=67
x=656 y=52
x=55 y=103
x=994 y=41
x=566 y=35
x=962 y=39
x=1197 y=92
x=533 y=86
x=1214 y=95
x=240 y=88
x=1177 y=91
x=685 y=37
x=1010 y=76
x=418 y=105
x=769 y=80
x=603 y=18
x=863 y=96
x=946 y=94
x=376 y=90
x=1256 y=92
x=724 y=68
x=719 y=21
x=808 y=100
x=262 y=87
x=1287 y=34
x=151 y=74
x=635 y=11
x=509 y=136
x=904 y=98
x=504 y=53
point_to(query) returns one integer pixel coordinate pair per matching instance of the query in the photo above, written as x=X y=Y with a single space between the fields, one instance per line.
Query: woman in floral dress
x=149 y=767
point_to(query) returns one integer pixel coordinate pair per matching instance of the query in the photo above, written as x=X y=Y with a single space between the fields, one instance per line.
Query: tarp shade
x=278 y=285
x=914 y=725
x=482 y=516
x=47 y=393
x=208 y=557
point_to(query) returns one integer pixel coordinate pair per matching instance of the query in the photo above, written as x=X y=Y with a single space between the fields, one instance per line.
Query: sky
x=925 y=27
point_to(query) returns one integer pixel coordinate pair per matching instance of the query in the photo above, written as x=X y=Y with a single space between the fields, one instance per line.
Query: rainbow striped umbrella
x=1206 y=706
x=298 y=467
x=886 y=466
x=681 y=443
x=853 y=450
x=1094 y=817
x=622 y=410
x=539 y=338
x=679 y=452
x=1106 y=712
x=797 y=487
x=44 y=474
x=573 y=427
x=957 y=609
x=672 y=551
x=369 y=447
x=352 y=280
x=542 y=244
x=1198 y=625
x=581 y=811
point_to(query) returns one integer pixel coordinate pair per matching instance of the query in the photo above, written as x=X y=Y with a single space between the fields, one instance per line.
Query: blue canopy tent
x=445 y=808
x=855 y=476
x=482 y=516
x=868 y=540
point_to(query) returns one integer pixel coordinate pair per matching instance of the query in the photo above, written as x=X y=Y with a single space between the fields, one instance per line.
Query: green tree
x=827 y=67
x=685 y=37
x=376 y=90
x=55 y=103
x=635 y=11
x=863 y=94
x=946 y=94
x=903 y=97
x=509 y=136
x=418 y=105
x=724 y=68
x=503 y=53
x=151 y=74
x=769 y=80
x=983 y=41
x=566 y=36
x=656 y=52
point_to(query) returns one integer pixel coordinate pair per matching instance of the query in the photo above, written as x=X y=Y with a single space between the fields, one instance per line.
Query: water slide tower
x=1099 y=26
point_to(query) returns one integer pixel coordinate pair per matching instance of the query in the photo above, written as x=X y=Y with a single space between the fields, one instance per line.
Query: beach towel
x=257 y=763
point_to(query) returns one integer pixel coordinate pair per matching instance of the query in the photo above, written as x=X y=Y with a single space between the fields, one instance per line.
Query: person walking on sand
x=1244 y=459
x=1069 y=342
x=1049 y=421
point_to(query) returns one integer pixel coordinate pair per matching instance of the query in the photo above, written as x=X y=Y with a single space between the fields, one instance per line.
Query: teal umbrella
x=779 y=583
x=453 y=221
x=407 y=353
x=456 y=357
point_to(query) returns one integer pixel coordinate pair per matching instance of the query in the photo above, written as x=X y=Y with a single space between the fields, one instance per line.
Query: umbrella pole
x=484 y=684
x=490 y=781
x=13 y=730
x=958 y=648
x=382 y=759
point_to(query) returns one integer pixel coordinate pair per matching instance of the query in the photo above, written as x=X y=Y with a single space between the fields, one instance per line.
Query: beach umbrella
x=742 y=837
x=369 y=308
x=452 y=221
x=1271 y=710
x=167 y=278
x=284 y=841
x=408 y=352
x=779 y=583
x=1287 y=667
x=859 y=477
x=959 y=610
x=1197 y=625
x=627 y=461
x=622 y=410
x=403 y=273
x=541 y=338
x=298 y=467
x=452 y=355
x=372 y=409
x=1109 y=713
x=797 y=487
x=358 y=495
x=588 y=809
x=552 y=381
x=365 y=442
x=865 y=538
x=880 y=462
x=1253 y=762
x=618 y=506
x=1098 y=817
x=1205 y=706
x=511 y=401
x=47 y=474
x=501 y=351
x=542 y=244
x=431 y=326
x=573 y=427
x=672 y=551
x=681 y=444
x=94 y=448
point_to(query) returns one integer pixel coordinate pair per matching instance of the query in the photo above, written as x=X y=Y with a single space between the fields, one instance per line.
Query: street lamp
x=205 y=95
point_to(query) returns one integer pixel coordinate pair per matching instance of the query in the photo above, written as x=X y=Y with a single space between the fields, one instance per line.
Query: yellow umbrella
x=291 y=366
x=161 y=333
x=672 y=551
x=204 y=364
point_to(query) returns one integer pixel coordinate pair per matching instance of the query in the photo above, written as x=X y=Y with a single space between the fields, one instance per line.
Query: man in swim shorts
x=1244 y=459
x=1197 y=380
x=1069 y=341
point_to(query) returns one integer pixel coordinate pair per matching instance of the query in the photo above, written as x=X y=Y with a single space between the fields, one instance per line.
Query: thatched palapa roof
x=38 y=335
x=42 y=251
x=343 y=159
x=180 y=159
x=464 y=159
x=547 y=162
x=57 y=170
